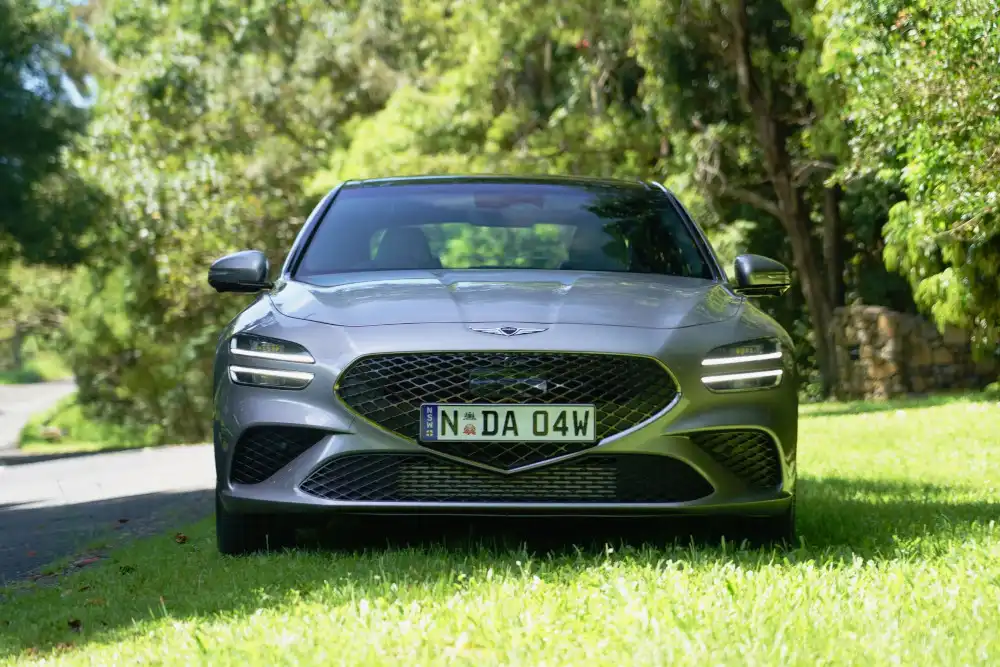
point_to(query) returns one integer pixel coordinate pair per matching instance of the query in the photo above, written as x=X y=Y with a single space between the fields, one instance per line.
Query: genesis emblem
x=508 y=331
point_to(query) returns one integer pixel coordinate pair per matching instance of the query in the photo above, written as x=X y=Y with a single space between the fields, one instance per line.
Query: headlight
x=258 y=347
x=764 y=349
x=765 y=352
x=268 y=377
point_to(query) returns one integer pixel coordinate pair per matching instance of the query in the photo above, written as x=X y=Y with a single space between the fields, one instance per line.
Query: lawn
x=40 y=366
x=899 y=564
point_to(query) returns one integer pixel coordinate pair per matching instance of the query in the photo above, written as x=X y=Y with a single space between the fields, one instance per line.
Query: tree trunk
x=833 y=246
x=808 y=267
x=772 y=135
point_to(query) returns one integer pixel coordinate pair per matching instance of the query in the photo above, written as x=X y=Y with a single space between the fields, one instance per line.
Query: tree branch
x=750 y=197
x=807 y=169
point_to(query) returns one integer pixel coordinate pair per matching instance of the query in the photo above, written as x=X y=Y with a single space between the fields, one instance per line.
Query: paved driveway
x=51 y=509
x=20 y=401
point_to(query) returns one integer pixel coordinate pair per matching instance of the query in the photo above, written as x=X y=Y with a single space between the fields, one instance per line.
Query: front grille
x=624 y=478
x=264 y=450
x=750 y=455
x=508 y=455
x=389 y=389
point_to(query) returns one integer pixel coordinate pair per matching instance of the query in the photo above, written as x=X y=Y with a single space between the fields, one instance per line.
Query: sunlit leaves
x=924 y=103
x=205 y=138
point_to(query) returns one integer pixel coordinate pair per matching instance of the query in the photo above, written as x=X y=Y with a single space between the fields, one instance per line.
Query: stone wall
x=882 y=353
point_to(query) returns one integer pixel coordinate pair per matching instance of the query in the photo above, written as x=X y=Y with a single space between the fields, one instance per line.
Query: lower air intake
x=750 y=455
x=627 y=478
x=264 y=450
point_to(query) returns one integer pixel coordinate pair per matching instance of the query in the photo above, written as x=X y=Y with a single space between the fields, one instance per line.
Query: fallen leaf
x=97 y=602
x=64 y=646
x=75 y=624
x=180 y=538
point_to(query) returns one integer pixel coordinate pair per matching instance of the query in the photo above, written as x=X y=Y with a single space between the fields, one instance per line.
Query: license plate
x=524 y=423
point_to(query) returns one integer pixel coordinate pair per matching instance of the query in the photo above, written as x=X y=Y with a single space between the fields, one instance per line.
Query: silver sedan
x=501 y=345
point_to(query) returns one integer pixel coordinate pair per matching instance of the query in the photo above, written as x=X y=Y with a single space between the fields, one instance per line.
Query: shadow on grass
x=33 y=537
x=869 y=517
x=838 y=518
x=907 y=403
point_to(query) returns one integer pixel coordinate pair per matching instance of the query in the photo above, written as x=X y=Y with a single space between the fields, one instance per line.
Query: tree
x=210 y=122
x=727 y=72
x=513 y=87
x=921 y=80
x=43 y=213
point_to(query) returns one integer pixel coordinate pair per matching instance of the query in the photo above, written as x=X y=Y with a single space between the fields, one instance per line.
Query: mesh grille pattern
x=389 y=389
x=264 y=450
x=750 y=455
x=628 y=478
x=508 y=455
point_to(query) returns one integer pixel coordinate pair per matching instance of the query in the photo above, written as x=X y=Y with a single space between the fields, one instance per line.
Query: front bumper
x=671 y=434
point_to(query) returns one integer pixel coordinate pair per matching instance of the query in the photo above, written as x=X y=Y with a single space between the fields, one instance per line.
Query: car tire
x=776 y=530
x=241 y=534
x=763 y=531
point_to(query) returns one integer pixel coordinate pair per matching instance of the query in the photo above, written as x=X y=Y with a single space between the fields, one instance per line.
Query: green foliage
x=922 y=101
x=40 y=365
x=219 y=125
x=33 y=306
x=502 y=92
x=216 y=119
x=70 y=426
x=43 y=213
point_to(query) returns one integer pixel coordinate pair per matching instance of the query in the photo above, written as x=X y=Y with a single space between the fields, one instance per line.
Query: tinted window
x=502 y=225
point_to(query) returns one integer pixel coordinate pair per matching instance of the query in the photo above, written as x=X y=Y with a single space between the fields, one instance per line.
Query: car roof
x=496 y=178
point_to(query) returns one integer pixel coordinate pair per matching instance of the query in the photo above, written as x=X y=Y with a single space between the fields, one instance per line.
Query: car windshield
x=475 y=225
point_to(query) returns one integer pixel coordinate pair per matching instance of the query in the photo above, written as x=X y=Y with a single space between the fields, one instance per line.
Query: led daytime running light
x=736 y=377
x=296 y=357
x=235 y=371
x=750 y=358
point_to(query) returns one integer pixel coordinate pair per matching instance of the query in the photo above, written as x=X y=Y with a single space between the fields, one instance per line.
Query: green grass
x=899 y=564
x=42 y=366
x=79 y=432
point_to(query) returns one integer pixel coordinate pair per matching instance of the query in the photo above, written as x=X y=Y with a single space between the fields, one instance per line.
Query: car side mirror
x=761 y=276
x=244 y=271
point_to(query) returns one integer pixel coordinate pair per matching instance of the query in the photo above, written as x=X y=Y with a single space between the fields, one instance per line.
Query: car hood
x=518 y=296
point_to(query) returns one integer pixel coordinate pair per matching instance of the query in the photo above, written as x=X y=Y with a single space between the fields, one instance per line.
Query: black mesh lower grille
x=626 y=478
x=750 y=455
x=508 y=455
x=264 y=450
